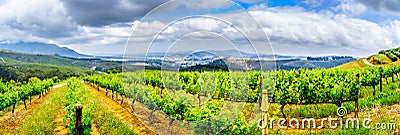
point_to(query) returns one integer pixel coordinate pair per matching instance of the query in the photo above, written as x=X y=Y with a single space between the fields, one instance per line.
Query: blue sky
x=326 y=5
x=294 y=27
x=323 y=5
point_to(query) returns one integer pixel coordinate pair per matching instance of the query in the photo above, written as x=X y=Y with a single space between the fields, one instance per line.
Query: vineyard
x=392 y=54
x=179 y=95
x=12 y=92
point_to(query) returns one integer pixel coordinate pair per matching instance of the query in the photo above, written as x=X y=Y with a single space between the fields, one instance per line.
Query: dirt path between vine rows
x=158 y=123
x=9 y=123
x=60 y=127
x=121 y=112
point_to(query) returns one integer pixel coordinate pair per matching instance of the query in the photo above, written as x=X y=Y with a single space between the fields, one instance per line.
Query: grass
x=42 y=121
x=353 y=64
x=377 y=59
x=104 y=119
x=110 y=124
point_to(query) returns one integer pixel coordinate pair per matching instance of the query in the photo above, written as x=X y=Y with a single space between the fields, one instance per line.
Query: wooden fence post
x=380 y=79
x=198 y=97
x=358 y=92
x=78 y=124
x=264 y=110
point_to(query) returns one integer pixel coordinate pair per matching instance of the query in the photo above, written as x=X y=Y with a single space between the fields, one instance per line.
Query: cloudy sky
x=293 y=27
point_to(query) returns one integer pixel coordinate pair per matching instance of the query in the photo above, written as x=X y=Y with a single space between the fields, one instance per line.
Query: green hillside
x=44 y=59
x=22 y=71
x=379 y=59
x=103 y=66
x=385 y=57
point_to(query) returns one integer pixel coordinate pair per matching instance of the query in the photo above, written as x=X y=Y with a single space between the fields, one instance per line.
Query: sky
x=291 y=27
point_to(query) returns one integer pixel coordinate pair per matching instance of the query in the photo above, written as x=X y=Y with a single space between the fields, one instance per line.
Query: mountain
x=41 y=48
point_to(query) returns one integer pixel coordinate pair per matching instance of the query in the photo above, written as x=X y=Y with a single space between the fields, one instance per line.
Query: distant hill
x=41 y=48
x=96 y=64
x=20 y=67
x=312 y=64
x=44 y=59
x=383 y=58
x=11 y=69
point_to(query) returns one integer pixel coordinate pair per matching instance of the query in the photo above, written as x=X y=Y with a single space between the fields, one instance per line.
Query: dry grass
x=353 y=64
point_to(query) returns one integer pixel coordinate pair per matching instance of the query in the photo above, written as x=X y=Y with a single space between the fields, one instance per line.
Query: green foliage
x=241 y=127
x=392 y=54
x=12 y=92
x=326 y=85
x=22 y=71
x=10 y=56
x=108 y=81
x=207 y=83
x=189 y=82
x=74 y=97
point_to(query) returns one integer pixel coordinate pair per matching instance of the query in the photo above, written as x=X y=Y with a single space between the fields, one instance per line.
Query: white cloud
x=205 y=4
x=313 y=3
x=197 y=28
x=105 y=12
x=351 y=7
x=292 y=30
x=46 y=19
x=384 y=6
x=262 y=6
x=250 y=1
x=98 y=40
x=294 y=27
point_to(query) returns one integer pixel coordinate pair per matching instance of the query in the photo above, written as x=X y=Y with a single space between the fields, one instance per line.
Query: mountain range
x=41 y=48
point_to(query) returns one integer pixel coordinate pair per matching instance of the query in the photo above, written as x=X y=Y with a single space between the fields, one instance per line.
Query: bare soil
x=9 y=122
x=158 y=123
x=121 y=111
